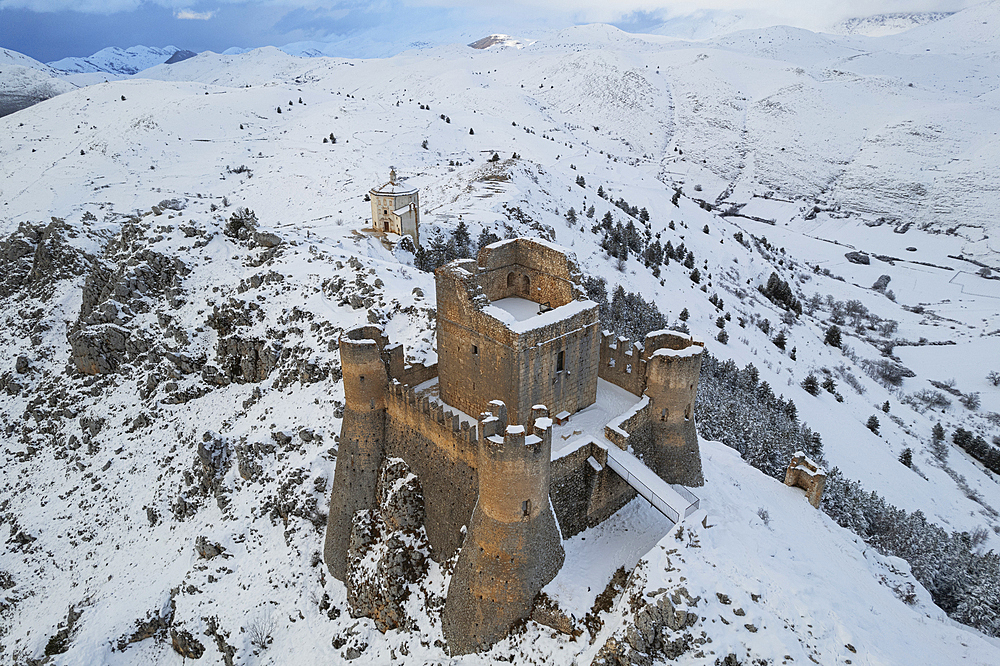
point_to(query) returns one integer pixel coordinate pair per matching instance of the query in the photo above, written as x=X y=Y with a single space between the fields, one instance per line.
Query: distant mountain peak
x=880 y=25
x=497 y=40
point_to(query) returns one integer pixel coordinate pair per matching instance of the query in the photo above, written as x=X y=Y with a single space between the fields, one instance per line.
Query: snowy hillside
x=196 y=236
x=25 y=81
x=116 y=61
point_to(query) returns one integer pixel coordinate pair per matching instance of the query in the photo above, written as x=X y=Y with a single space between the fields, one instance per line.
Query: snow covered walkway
x=673 y=501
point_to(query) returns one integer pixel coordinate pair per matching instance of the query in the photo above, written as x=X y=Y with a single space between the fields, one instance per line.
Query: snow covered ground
x=819 y=134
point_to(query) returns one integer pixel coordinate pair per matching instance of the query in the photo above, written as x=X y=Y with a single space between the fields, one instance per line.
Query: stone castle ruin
x=396 y=208
x=532 y=427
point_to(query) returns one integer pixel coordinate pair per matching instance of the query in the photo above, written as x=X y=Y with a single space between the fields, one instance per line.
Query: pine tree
x=780 y=340
x=811 y=384
x=590 y=212
x=462 y=239
x=581 y=181
x=571 y=217
x=684 y=315
x=873 y=424
x=906 y=457
x=833 y=337
x=600 y=191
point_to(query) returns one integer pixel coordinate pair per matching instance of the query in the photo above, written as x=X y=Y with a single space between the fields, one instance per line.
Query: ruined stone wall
x=582 y=495
x=527 y=269
x=442 y=450
x=622 y=364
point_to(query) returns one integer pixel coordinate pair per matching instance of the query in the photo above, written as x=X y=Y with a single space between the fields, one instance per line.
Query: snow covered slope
x=177 y=500
x=25 y=81
x=116 y=61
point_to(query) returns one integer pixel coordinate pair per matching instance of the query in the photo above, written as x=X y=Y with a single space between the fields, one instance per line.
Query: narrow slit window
x=475 y=350
x=362 y=379
x=526 y=508
x=687 y=413
x=663 y=414
x=560 y=361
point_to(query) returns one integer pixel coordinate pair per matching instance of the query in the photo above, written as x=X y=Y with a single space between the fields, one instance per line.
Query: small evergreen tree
x=873 y=424
x=885 y=407
x=722 y=337
x=832 y=337
x=486 y=237
x=423 y=144
x=471 y=131
x=590 y=212
x=462 y=239
x=695 y=276
x=571 y=217
x=906 y=457
x=811 y=384
x=581 y=181
x=600 y=191
x=780 y=340
x=684 y=315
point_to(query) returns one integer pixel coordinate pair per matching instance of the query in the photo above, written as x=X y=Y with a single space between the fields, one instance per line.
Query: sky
x=51 y=29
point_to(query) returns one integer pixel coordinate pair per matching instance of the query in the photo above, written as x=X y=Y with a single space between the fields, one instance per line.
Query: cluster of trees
x=962 y=581
x=734 y=407
x=978 y=448
x=778 y=292
x=627 y=314
x=439 y=249
x=622 y=240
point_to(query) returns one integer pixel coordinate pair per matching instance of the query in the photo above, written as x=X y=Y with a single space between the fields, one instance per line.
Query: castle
x=515 y=433
x=396 y=208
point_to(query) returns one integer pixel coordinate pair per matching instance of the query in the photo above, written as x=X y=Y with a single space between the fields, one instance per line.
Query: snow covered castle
x=533 y=426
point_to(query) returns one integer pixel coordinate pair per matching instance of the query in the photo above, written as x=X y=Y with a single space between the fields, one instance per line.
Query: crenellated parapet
x=455 y=436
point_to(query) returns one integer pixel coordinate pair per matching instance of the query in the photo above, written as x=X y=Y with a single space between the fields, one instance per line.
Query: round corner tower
x=513 y=547
x=362 y=440
x=673 y=366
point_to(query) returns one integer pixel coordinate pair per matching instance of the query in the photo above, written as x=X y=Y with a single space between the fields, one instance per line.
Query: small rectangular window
x=475 y=350
x=560 y=361
x=526 y=507
x=362 y=378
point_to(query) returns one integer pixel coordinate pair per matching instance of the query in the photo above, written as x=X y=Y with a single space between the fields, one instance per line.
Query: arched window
x=510 y=279
x=526 y=284
x=687 y=412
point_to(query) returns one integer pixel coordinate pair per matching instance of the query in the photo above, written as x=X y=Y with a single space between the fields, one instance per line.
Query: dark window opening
x=560 y=361
x=510 y=279
x=362 y=378
x=526 y=508
x=663 y=414
x=687 y=413
x=475 y=350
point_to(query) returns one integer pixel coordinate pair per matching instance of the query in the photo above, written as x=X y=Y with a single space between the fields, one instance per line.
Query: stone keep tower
x=396 y=208
x=362 y=444
x=514 y=325
x=513 y=547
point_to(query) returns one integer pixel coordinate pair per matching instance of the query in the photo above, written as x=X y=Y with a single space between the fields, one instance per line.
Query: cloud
x=195 y=16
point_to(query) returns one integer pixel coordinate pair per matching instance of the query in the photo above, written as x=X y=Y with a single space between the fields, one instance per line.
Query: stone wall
x=528 y=269
x=442 y=450
x=671 y=384
x=583 y=495
x=621 y=363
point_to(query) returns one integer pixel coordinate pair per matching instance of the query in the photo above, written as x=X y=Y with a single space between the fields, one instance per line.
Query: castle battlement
x=404 y=401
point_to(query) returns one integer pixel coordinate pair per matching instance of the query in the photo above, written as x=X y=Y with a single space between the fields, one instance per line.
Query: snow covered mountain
x=24 y=81
x=880 y=25
x=116 y=61
x=173 y=503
